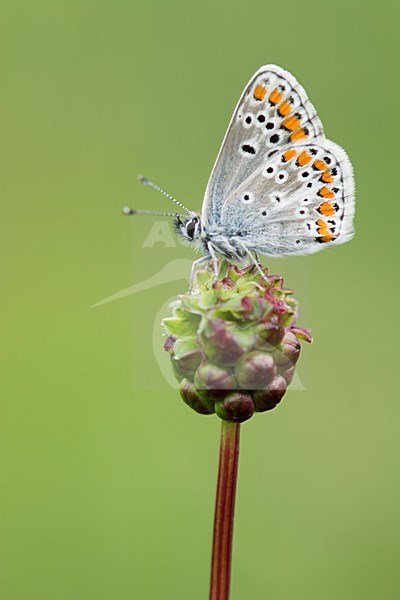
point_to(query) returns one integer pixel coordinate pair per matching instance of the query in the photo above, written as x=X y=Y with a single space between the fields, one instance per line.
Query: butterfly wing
x=273 y=111
x=299 y=200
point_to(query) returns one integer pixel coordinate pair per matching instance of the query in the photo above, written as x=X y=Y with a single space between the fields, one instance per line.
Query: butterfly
x=278 y=186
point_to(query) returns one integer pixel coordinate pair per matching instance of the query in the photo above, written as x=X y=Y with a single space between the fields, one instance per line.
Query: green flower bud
x=214 y=380
x=223 y=341
x=237 y=406
x=186 y=357
x=200 y=404
x=269 y=397
x=288 y=374
x=289 y=352
x=255 y=370
x=169 y=343
x=271 y=330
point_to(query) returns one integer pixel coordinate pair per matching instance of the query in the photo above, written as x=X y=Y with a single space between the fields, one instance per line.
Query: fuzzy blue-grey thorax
x=194 y=233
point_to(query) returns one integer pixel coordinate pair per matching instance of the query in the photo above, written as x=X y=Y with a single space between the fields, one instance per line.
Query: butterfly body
x=225 y=243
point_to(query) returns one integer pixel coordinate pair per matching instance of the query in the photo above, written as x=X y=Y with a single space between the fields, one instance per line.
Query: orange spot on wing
x=327 y=238
x=323 y=230
x=326 y=176
x=325 y=192
x=300 y=134
x=303 y=159
x=291 y=123
x=275 y=96
x=259 y=92
x=288 y=155
x=284 y=109
x=322 y=227
x=320 y=165
x=326 y=209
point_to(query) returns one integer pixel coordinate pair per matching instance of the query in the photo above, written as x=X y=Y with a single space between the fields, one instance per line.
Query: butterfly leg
x=255 y=261
x=195 y=265
x=213 y=258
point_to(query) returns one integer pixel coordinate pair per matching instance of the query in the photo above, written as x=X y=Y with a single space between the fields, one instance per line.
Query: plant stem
x=224 y=511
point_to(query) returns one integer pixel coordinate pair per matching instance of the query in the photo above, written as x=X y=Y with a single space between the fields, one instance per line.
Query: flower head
x=233 y=342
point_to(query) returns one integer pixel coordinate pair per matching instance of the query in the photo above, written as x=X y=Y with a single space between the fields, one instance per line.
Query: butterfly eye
x=191 y=227
x=269 y=171
x=281 y=177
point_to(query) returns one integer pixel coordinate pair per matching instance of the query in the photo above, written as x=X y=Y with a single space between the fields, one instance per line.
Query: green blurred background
x=107 y=478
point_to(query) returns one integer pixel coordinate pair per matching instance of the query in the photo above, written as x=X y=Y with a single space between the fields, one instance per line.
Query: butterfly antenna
x=128 y=211
x=146 y=181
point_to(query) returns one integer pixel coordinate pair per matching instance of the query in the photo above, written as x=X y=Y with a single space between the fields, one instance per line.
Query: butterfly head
x=189 y=228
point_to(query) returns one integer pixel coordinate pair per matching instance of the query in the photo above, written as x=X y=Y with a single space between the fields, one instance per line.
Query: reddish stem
x=224 y=511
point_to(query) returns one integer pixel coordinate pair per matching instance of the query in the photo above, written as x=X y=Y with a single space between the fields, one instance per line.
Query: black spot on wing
x=248 y=148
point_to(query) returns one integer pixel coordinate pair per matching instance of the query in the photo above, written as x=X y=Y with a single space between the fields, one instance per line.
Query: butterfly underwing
x=278 y=186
